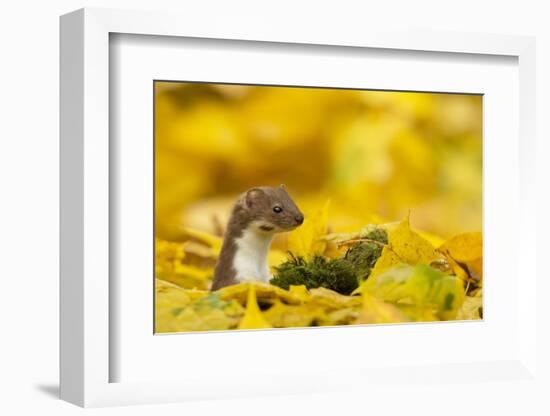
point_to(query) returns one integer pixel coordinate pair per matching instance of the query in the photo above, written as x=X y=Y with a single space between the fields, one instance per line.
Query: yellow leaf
x=253 y=317
x=308 y=239
x=162 y=286
x=168 y=298
x=300 y=292
x=264 y=291
x=421 y=286
x=417 y=313
x=189 y=277
x=180 y=310
x=204 y=319
x=333 y=300
x=471 y=308
x=167 y=291
x=466 y=249
x=376 y=311
x=405 y=246
x=211 y=240
x=193 y=271
x=167 y=255
x=344 y=316
x=172 y=263
x=200 y=250
x=281 y=315
x=433 y=239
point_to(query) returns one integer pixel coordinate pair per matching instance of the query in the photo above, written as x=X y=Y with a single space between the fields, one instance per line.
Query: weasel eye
x=277 y=209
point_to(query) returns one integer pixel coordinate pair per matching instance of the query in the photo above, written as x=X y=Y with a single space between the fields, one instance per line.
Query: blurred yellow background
x=377 y=155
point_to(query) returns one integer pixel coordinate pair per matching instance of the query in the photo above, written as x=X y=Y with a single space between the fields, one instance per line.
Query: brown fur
x=254 y=206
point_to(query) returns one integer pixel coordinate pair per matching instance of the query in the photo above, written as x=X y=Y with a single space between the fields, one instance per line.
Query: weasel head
x=271 y=210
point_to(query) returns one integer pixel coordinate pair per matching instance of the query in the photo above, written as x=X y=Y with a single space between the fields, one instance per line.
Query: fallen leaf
x=466 y=251
x=167 y=255
x=471 y=308
x=281 y=315
x=331 y=299
x=421 y=286
x=376 y=311
x=170 y=300
x=264 y=292
x=405 y=246
x=189 y=277
x=191 y=319
x=179 y=310
x=345 y=316
x=300 y=292
x=210 y=240
x=253 y=317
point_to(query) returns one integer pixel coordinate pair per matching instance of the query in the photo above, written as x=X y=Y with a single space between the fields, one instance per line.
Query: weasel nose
x=299 y=218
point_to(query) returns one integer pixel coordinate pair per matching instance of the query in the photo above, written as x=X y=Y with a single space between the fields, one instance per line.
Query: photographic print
x=290 y=206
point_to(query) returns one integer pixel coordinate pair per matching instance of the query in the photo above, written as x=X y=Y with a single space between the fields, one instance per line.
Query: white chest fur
x=250 y=260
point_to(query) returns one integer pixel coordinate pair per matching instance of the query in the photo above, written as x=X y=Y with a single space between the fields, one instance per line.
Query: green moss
x=342 y=275
x=376 y=233
x=363 y=256
x=335 y=274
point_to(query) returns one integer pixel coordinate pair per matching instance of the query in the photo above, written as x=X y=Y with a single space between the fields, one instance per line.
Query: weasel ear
x=282 y=186
x=253 y=197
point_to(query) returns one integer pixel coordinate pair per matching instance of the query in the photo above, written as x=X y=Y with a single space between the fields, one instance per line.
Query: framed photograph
x=271 y=212
x=226 y=246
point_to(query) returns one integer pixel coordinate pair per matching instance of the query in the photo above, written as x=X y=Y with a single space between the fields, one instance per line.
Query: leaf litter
x=381 y=274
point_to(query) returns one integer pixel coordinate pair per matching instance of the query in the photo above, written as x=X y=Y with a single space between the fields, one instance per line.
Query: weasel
x=257 y=216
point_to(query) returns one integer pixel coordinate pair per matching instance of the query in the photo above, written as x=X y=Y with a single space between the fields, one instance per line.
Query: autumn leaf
x=300 y=292
x=405 y=246
x=167 y=255
x=188 y=276
x=201 y=251
x=418 y=313
x=471 y=308
x=344 y=316
x=181 y=310
x=376 y=311
x=465 y=247
x=281 y=315
x=433 y=239
x=331 y=299
x=168 y=291
x=169 y=301
x=214 y=242
x=466 y=252
x=398 y=292
x=421 y=286
x=307 y=240
x=264 y=292
x=202 y=319
x=253 y=317
x=188 y=264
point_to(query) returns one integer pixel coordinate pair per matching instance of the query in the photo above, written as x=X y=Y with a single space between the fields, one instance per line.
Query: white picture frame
x=86 y=164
